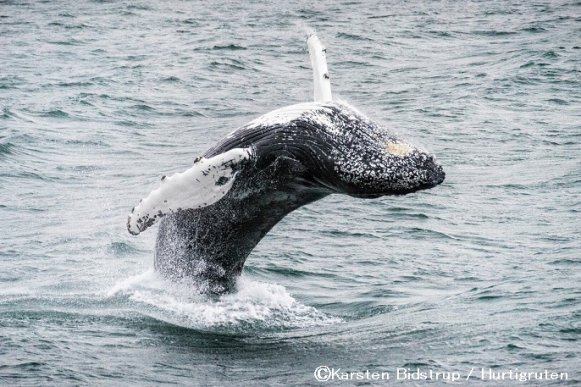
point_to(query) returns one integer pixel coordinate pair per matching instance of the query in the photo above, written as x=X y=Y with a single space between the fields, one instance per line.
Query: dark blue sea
x=479 y=277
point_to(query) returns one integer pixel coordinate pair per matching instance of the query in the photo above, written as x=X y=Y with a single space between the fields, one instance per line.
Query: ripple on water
x=352 y=36
x=222 y=47
x=6 y=149
x=89 y=118
x=121 y=249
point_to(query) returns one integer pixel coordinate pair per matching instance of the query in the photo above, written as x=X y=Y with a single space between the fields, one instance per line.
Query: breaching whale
x=214 y=214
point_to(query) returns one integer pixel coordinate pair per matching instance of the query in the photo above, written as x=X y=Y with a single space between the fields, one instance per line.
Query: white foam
x=256 y=305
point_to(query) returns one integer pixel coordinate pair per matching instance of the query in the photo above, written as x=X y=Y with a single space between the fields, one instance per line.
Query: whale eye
x=397 y=148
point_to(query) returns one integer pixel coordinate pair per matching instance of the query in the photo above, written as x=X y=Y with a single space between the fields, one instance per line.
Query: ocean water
x=99 y=99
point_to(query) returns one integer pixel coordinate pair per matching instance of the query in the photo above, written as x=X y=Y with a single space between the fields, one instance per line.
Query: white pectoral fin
x=320 y=72
x=206 y=182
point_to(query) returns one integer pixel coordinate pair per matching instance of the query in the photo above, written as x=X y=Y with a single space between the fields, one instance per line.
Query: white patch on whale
x=313 y=110
x=206 y=182
x=321 y=78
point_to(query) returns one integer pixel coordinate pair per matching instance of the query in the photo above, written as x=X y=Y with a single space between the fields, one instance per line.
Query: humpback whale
x=212 y=215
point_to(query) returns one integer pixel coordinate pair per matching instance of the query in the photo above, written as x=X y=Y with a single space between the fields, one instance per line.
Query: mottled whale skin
x=214 y=214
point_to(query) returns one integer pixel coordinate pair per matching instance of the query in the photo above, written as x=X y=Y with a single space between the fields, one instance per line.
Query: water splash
x=256 y=306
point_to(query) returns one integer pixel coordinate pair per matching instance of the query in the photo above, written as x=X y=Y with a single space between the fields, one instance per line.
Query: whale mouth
x=436 y=174
x=439 y=177
x=433 y=175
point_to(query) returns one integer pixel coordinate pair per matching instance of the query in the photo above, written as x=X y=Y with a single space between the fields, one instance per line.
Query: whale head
x=370 y=161
x=343 y=151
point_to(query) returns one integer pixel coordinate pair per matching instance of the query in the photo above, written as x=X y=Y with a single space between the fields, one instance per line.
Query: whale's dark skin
x=330 y=149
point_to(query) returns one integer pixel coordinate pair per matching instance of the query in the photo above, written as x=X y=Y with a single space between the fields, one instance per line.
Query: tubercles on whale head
x=395 y=168
x=370 y=161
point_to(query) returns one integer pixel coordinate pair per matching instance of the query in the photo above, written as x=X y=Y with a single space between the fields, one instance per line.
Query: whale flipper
x=320 y=72
x=206 y=182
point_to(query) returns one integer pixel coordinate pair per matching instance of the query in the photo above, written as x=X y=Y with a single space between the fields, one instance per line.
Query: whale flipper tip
x=322 y=83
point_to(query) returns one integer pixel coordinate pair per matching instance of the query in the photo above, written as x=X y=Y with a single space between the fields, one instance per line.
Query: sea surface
x=98 y=99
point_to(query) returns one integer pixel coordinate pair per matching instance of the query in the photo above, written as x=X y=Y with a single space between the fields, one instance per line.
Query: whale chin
x=397 y=192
